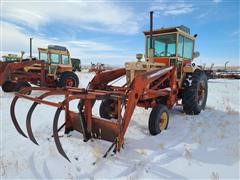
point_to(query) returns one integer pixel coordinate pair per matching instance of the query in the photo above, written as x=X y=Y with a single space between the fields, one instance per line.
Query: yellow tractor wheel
x=158 y=119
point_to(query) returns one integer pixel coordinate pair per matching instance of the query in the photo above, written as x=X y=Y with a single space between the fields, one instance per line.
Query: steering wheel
x=165 y=52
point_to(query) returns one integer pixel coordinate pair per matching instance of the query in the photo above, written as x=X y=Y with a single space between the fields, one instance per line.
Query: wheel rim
x=112 y=110
x=201 y=93
x=163 y=121
x=69 y=82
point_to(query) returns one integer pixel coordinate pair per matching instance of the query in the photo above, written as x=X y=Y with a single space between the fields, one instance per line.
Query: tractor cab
x=57 y=60
x=164 y=47
x=169 y=44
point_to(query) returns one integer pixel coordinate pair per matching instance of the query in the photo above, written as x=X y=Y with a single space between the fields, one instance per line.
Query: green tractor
x=12 y=57
x=76 y=64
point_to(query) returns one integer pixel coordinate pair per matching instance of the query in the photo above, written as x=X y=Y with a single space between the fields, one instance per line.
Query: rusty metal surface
x=7 y=68
x=144 y=91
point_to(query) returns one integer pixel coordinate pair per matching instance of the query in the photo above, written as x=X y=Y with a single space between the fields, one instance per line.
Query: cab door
x=43 y=55
x=184 y=52
x=54 y=62
x=180 y=43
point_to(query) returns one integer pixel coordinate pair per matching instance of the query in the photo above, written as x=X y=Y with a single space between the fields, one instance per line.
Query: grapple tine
x=13 y=116
x=29 y=116
x=28 y=123
x=55 y=134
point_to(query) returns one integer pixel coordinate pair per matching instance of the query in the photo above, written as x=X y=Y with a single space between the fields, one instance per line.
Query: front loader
x=166 y=77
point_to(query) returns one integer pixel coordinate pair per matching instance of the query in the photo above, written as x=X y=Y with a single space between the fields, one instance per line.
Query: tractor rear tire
x=158 y=119
x=107 y=109
x=22 y=84
x=8 y=86
x=194 y=96
x=68 y=79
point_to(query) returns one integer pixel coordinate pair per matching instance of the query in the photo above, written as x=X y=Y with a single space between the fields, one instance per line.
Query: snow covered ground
x=204 y=146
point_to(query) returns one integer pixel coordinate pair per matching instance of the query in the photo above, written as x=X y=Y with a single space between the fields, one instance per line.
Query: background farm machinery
x=210 y=73
x=54 y=69
x=166 y=78
x=12 y=57
x=228 y=74
x=99 y=67
x=222 y=73
x=76 y=64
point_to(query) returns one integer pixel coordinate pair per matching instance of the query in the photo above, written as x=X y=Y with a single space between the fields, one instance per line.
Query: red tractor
x=166 y=77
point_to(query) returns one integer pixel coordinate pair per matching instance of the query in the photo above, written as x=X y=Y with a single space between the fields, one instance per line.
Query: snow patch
x=205 y=146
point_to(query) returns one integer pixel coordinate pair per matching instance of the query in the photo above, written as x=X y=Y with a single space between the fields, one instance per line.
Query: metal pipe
x=151 y=29
x=31 y=48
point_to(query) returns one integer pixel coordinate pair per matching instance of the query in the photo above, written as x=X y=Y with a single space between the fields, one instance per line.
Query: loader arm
x=101 y=79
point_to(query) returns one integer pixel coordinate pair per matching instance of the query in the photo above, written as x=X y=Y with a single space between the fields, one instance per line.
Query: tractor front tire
x=107 y=109
x=158 y=119
x=22 y=84
x=195 y=92
x=8 y=86
x=68 y=79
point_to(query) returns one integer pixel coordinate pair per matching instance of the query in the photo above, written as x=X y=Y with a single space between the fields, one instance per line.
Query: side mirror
x=196 y=54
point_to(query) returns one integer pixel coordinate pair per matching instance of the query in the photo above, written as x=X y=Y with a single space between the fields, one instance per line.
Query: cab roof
x=185 y=31
x=53 y=51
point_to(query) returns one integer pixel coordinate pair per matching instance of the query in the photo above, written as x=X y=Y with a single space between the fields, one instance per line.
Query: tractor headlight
x=138 y=65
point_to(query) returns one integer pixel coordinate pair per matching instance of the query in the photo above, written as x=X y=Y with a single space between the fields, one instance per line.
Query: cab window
x=188 y=48
x=54 y=58
x=65 y=59
x=180 y=46
x=43 y=56
x=164 y=45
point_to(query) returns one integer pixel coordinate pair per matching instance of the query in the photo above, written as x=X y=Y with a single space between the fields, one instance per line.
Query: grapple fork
x=84 y=121
x=29 y=114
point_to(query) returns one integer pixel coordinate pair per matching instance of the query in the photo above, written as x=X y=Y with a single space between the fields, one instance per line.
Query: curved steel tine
x=29 y=116
x=28 y=123
x=13 y=116
x=55 y=134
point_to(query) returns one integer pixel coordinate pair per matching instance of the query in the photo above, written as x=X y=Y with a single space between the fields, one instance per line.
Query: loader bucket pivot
x=83 y=121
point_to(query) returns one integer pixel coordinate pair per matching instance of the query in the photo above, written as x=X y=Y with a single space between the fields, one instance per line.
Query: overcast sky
x=111 y=31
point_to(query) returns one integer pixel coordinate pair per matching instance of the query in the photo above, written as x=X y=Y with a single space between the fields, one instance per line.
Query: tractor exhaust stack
x=150 y=50
x=31 y=48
